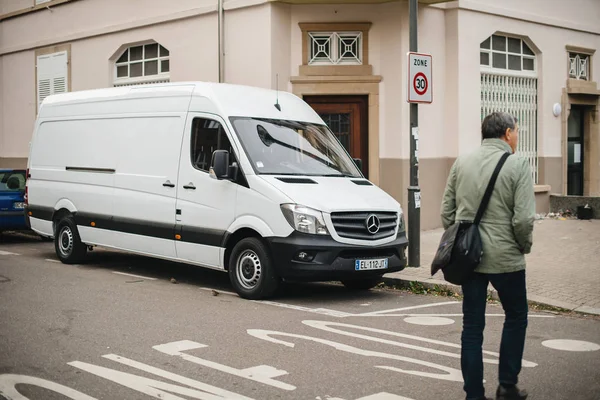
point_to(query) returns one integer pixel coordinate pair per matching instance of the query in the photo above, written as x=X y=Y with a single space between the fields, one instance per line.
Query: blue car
x=12 y=203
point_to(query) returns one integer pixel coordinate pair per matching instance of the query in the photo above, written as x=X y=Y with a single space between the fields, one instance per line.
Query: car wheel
x=362 y=284
x=67 y=243
x=251 y=270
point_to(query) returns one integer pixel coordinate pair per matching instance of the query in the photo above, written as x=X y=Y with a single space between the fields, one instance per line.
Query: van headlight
x=304 y=219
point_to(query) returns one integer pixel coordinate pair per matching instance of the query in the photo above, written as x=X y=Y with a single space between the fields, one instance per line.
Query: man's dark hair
x=494 y=126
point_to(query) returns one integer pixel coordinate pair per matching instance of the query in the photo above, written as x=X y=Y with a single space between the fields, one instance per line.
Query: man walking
x=506 y=232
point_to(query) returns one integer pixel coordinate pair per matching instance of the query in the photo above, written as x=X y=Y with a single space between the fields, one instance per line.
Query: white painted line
x=429 y=321
x=135 y=276
x=571 y=345
x=8 y=253
x=445 y=303
x=322 y=311
x=51 y=260
x=384 y=396
x=261 y=373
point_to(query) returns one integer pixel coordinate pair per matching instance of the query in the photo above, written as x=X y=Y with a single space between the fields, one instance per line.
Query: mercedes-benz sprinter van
x=234 y=178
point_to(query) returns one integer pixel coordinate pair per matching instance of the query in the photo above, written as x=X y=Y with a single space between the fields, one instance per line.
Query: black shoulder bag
x=460 y=249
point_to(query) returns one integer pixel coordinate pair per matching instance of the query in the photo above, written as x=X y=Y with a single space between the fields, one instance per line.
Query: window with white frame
x=335 y=48
x=41 y=1
x=579 y=66
x=509 y=83
x=52 y=75
x=143 y=63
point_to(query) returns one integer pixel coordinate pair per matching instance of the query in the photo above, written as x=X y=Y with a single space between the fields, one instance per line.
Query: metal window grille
x=333 y=48
x=579 y=66
x=517 y=96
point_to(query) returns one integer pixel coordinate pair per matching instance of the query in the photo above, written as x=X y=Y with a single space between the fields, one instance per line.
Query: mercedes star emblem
x=372 y=224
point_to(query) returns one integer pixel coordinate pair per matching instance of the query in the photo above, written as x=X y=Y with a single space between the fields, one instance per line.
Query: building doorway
x=347 y=117
x=576 y=151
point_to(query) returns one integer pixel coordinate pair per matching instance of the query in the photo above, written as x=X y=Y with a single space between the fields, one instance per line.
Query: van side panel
x=71 y=160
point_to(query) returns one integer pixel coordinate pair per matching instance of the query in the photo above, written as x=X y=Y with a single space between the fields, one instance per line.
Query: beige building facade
x=534 y=58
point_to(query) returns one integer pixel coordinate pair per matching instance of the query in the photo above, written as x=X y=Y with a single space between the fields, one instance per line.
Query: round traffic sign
x=420 y=83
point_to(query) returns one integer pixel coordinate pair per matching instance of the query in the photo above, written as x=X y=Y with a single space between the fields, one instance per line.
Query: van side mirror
x=358 y=163
x=219 y=165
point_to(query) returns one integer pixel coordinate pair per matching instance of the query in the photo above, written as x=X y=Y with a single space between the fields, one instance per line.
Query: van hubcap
x=248 y=269
x=65 y=241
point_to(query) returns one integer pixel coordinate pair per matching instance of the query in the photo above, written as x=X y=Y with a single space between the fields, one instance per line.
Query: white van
x=234 y=178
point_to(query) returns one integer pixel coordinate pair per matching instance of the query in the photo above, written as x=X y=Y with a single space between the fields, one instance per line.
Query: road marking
x=327 y=326
x=261 y=373
x=322 y=311
x=429 y=321
x=153 y=387
x=8 y=383
x=8 y=253
x=570 y=345
x=135 y=276
x=444 y=303
x=51 y=260
x=451 y=374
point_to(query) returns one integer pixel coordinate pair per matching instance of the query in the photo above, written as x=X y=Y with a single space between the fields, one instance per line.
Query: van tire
x=362 y=284
x=67 y=242
x=251 y=270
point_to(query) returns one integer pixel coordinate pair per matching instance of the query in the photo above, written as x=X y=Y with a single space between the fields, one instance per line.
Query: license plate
x=361 y=265
x=19 y=205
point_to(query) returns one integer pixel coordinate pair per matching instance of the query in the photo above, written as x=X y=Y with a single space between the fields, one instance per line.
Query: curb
x=435 y=284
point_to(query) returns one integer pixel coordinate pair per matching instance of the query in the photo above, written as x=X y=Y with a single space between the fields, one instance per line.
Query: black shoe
x=510 y=393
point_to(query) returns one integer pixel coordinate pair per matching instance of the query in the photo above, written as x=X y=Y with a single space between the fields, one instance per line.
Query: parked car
x=12 y=202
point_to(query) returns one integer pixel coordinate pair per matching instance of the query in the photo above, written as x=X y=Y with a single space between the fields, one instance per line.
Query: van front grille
x=365 y=225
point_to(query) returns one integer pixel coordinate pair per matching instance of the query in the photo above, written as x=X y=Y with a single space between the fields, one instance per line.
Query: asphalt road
x=90 y=332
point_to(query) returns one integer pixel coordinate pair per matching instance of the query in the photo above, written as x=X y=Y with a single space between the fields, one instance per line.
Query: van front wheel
x=251 y=270
x=67 y=243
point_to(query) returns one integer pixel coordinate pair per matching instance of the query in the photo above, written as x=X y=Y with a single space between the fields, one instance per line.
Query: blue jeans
x=513 y=296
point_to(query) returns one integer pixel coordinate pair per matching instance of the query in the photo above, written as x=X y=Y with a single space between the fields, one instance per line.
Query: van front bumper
x=331 y=260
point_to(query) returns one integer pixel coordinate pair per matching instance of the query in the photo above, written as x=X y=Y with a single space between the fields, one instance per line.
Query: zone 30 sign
x=420 y=85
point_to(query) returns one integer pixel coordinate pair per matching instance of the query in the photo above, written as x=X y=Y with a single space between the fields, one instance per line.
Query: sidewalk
x=563 y=269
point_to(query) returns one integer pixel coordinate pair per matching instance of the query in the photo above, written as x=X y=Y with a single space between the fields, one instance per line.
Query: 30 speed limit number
x=419 y=78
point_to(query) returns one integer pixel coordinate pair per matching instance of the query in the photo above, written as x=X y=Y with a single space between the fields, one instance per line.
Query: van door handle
x=189 y=186
x=168 y=184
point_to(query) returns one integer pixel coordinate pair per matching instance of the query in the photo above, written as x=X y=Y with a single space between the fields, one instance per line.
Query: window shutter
x=52 y=75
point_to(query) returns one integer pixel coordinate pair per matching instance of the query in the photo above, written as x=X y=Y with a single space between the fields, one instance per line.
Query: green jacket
x=507 y=225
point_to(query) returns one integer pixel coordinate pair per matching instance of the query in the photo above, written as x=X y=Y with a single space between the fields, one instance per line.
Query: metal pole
x=414 y=192
x=221 y=40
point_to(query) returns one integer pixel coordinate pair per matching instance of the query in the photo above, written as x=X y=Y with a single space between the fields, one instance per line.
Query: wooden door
x=346 y=116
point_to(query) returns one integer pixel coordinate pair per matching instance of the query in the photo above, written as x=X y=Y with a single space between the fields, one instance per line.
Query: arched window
x=142 y=63
x=509 y=83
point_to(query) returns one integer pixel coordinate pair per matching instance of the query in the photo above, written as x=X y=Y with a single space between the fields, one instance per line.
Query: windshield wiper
x=340 y=175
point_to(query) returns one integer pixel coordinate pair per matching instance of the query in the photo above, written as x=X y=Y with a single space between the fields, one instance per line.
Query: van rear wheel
x=251 y=270
x=67 y=243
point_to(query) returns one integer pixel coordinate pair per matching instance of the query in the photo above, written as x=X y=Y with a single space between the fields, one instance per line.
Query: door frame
x=359 y=145
x=354 y=85
x=590 y=105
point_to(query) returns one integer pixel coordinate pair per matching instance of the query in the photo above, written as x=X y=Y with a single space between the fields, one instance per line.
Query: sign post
x=420 y=90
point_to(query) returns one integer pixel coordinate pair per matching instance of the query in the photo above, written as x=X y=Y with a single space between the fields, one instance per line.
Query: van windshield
x=278 y=147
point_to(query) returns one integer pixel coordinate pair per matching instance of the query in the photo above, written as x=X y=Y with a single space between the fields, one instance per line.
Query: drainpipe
x=221 y=42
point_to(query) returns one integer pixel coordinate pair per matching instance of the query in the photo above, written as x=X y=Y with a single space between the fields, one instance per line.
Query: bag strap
x=490 y=189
